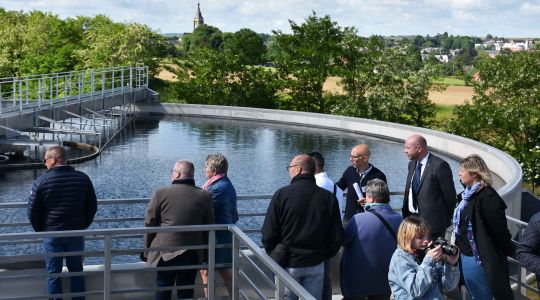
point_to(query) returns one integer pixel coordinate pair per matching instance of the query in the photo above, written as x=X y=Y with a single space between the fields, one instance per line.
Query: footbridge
x=43 y=109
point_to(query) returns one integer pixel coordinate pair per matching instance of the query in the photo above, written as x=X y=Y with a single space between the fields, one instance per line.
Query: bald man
x=303 y=227
x=360 y=172
x=429 y=190
x=181 y=203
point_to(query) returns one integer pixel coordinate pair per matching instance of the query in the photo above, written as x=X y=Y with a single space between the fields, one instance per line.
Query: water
x=141 y=158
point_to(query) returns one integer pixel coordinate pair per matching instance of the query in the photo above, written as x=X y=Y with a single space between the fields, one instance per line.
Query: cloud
x=384 y=17
x=530 y=9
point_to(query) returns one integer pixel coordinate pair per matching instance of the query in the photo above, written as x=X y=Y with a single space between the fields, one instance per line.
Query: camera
x=447 y=248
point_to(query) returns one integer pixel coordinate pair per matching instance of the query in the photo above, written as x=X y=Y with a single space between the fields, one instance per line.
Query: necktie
x=416 y=178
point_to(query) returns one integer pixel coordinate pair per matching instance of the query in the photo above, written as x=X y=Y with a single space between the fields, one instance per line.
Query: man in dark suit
x=429 y=190
x=180 y=204
x=360 y=172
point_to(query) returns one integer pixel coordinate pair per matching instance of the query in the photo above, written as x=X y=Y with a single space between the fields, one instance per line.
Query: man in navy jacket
x=62 y=199
x=528 y=250
x=360 y=172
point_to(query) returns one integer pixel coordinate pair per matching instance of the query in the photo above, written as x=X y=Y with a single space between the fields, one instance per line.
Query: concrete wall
x=499 y=162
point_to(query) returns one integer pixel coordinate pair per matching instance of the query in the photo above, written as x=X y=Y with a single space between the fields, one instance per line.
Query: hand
x=435 y=253
x=361 y=202
x=451 y=259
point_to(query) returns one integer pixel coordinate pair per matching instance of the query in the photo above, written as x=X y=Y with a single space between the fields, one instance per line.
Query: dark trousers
x=327 y=282
x=178 y=277
x=53 y=265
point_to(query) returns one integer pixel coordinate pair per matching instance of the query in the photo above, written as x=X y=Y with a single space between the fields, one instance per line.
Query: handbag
x=280 y=254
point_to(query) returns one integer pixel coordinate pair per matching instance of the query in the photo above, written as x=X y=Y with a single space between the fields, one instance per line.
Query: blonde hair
x=410 y=228
x=476 y=165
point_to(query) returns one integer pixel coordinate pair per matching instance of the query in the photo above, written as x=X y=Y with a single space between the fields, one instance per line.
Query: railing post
x=20 y=95
x=279 y=293
x=26 y=83
x=523 y=281
x=146 y=76
x=14 y=91
x=107 y=275
x=235 y=267
x=112 y=82
x=211 y=264
x=92 y=88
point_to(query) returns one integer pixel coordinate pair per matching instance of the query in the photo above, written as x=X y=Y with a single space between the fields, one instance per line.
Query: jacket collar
x=61 y=168
x=298 y=177
x=188 y=181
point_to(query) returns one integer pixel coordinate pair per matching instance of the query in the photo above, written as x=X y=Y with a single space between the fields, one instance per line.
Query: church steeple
x=198 y=20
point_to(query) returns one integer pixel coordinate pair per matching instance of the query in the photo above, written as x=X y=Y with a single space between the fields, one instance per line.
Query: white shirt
x=328 y=184
x=423 y=162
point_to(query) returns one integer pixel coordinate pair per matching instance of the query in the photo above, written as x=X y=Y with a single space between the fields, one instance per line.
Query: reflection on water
x=140 y=160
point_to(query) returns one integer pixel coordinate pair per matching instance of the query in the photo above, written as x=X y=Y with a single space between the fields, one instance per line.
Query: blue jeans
x=311 y=278
x=475 y=279
x=180 y=277
x=53 y=265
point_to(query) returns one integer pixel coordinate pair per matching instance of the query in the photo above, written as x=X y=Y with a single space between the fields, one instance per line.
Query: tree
x=384 y=84
x=505 y=110
x=305 y=59
x=49 y=44
x=247 y=44
x=12 y=29
x=204 y=36
x=209 y=76
x=108 y=44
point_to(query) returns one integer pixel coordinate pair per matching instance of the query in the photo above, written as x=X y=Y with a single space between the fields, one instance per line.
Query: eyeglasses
x=174 y=170
x=289 y=167
x=357 y=156
x=47 y=158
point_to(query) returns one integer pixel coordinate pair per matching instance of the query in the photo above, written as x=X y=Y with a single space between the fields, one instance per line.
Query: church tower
x=198 y=20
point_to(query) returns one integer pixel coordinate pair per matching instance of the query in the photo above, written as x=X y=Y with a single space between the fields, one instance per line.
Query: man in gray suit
x=429 y=190
x=182 y=203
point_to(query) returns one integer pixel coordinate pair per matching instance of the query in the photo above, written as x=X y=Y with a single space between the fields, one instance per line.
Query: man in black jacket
x=62 y=199
x=303 y=219
x=429 y=190
x=360 y=172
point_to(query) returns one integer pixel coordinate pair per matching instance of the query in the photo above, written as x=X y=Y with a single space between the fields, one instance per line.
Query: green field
x=449 y=81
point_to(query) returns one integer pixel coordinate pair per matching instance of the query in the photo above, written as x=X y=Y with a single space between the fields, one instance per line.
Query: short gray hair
x=378 y=189
x=217 y=162
x=185 y=168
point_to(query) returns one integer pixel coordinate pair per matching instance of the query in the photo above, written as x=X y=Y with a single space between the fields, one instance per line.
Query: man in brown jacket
x=182 y=203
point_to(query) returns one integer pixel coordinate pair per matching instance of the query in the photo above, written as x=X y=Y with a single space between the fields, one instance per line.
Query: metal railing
x=255 y=275
x=18 y=94
x=520 y=277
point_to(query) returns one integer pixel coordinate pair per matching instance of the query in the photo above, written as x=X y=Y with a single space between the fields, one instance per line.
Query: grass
x=449 y=81
x=444 y=112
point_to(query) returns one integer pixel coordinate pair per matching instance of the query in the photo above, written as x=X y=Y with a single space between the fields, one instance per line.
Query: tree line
x=39 y=42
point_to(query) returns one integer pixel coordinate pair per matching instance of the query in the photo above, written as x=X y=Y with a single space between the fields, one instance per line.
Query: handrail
x=520 y=281
x=42 y=91
x=108 y=272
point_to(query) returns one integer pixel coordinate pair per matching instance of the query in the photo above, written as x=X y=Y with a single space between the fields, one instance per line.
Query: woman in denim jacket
x=418 y=271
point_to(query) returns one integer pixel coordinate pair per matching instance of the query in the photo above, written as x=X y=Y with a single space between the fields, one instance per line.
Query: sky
x=502 y=18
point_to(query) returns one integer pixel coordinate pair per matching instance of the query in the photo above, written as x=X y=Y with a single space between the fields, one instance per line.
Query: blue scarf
x=465 y=197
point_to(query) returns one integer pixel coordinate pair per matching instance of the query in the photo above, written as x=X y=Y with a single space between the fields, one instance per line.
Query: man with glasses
x=360 y=172
x=62 y=199
x=302 y=227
